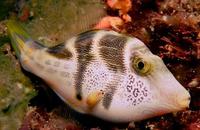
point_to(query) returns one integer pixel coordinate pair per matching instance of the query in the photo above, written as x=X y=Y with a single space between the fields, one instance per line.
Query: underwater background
x=27 y=103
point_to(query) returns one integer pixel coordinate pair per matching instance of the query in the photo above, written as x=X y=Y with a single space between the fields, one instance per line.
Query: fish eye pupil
x=140 y=65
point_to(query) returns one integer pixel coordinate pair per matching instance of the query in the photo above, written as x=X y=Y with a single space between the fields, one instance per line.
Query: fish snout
x=183 y=100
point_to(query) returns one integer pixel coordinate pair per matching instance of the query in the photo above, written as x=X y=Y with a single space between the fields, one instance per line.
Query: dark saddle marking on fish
x=107 y=99
x=112 y=51
x=83 y=46
x=60 y=52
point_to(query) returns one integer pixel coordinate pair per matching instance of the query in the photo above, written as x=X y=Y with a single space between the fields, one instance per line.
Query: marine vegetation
x=169 y=28
x=103 y=73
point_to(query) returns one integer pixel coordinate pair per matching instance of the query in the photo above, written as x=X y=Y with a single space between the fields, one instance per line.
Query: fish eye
x=141 y=66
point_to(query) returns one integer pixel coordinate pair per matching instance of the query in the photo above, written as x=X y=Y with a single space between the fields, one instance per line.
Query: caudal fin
x=18 y=36
x=20 y=39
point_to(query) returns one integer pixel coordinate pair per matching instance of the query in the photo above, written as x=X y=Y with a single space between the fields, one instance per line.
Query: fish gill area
x=170 y=28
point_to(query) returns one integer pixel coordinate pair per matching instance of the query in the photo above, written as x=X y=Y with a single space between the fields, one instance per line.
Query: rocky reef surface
x=170 y=28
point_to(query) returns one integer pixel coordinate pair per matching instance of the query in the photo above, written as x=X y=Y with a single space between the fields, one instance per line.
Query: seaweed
x=16 y=89
x=15 y=92
x=53 y=21
x=170 y=28
x=5 y=7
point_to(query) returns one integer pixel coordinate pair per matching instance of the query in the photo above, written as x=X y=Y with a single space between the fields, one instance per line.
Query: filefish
x=103 y=73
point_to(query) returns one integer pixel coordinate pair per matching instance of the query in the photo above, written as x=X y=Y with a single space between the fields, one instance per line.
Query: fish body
x=104 y=74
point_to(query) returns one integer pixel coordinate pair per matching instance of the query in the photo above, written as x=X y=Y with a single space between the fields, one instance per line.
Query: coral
x=170 y=28
x=39 y=119
x=109 y=22
x=123 y=6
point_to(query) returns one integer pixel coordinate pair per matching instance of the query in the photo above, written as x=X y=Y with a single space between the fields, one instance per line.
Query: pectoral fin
x=94 y=98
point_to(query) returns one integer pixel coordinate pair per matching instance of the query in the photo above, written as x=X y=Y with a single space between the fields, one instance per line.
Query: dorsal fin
x=60 y=51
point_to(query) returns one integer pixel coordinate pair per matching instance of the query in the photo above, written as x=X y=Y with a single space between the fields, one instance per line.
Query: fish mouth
x=176 y=102
x=184 y=101
x=179 y=105
x=180 y=102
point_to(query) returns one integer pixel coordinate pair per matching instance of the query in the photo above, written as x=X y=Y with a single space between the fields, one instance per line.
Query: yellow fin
x=94 y=98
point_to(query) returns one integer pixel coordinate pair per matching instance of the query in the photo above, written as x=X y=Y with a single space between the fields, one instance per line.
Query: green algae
x=15 y=91
x=51 y=22
x=5 y=7
x=4 y=39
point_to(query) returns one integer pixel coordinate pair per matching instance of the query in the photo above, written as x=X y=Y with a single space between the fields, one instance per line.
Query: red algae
x=171 y=29
x=38 y=119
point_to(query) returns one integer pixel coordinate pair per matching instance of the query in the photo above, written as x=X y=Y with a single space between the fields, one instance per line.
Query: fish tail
x=21 y=41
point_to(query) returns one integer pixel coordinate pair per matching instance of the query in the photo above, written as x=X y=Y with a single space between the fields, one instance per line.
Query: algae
x=54 y=21
x=51 y=22
x=5 y=7
x=15 y=89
